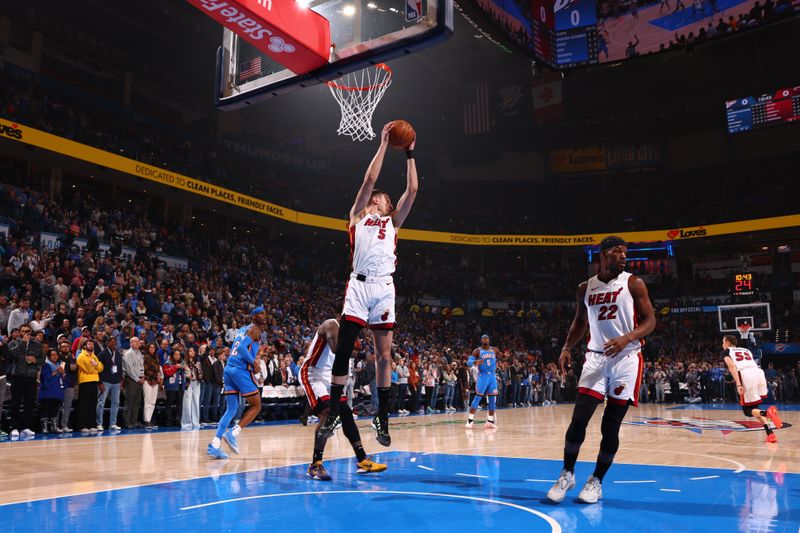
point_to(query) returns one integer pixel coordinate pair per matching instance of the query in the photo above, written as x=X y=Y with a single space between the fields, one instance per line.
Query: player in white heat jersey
x=369 y=295
x=315 y=375
x=751 y=385
x=615 y=307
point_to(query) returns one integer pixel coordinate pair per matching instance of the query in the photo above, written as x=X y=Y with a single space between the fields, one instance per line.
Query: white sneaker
x=99 y=427
x=14 y=434
x=566 y=480
x=85 y=431
x=490 y=425
x=115 y=427
x=468 y=425
x=28 y=433
x=592 y=491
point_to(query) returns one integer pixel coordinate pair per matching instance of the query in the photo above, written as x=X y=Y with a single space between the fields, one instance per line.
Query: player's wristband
x=410 y=154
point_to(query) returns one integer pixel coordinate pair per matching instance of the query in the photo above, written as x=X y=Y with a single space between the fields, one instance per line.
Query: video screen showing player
x=627 y=28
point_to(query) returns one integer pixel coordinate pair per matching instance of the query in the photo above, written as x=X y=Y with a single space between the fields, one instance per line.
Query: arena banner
x=578 y=160
x=20 y=133
x=41 y=139
x=619 y=157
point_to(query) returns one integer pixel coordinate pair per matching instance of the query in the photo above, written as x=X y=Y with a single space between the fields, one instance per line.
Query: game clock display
x=754 y=112
x=743 y=284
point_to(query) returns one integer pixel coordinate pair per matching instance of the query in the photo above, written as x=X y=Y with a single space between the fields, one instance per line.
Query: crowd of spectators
x=77 y=322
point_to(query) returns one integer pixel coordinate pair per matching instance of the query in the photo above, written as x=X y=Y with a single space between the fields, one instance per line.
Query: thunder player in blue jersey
x=238 y=379
x=485 y=358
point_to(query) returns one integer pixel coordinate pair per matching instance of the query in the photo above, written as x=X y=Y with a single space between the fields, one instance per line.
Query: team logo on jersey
x=697 y=424
x=619 y=389
x=385 y=316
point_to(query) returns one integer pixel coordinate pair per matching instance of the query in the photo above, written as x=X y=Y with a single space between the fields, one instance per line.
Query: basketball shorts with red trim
x=370 y=303
x=238 y=380
x=617 y=378
x=317 y=386
x=754 y=384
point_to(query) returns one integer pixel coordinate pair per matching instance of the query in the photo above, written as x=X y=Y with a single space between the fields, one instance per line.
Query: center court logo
x=697 y=424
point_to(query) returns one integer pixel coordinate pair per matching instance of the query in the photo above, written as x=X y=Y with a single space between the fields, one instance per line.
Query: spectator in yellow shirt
x=89 y=368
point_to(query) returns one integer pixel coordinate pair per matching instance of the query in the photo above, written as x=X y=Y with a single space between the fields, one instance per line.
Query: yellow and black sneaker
x=368 y=466
x=381 y=427
x=318 y=472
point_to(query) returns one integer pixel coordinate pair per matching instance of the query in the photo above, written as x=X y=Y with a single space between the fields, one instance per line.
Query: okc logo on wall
x=697 y=424
x=413 y=10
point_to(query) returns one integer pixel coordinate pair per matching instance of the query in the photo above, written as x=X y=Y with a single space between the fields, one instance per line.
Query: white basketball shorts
x=755 y=386
x=370 y=302
x=616 y=378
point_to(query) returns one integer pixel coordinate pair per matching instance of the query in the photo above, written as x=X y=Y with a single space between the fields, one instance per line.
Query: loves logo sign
x=686 y=233
x=11 y=130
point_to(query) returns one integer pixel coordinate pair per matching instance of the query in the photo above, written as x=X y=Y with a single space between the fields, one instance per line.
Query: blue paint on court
x=436 y=492
x=689 y=15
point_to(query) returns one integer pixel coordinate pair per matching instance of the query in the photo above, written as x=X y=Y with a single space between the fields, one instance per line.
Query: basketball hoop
x=358 y=94
x=744 y=330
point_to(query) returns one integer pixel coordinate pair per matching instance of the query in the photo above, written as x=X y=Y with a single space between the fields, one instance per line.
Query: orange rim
x=381 y=66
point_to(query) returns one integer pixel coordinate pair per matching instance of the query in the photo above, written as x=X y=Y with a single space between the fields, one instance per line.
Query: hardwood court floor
x=701 y=442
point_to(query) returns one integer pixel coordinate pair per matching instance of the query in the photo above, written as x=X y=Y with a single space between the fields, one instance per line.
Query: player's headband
x=485 y=337
x=257 y=310
x=610 y=242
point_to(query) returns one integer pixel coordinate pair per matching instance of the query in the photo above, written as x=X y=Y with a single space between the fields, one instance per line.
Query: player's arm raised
x=577 y=330
x=412 y=185
x=371 y=177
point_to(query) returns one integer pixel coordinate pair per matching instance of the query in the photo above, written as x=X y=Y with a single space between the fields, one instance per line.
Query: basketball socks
x=359 y=451
x=216 y=442
x=317 y=456
x=336 y=397
x=236 y=430
x=570 y=458
x=768 y=429
x=490 y=418
x=471 y=417
x=383 y=402
x=601 y=468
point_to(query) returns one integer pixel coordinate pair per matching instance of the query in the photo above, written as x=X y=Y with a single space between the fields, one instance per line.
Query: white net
x=744 y=330
x=358 y=94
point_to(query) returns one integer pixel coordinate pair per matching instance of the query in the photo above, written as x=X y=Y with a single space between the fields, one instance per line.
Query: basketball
x=401 y=135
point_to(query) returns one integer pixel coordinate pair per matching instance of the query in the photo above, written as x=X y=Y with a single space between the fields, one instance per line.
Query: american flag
x=476 y=110
x=250 y=69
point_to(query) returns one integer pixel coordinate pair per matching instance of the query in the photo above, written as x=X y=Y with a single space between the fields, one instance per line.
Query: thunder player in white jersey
x=616 y=309
x=315 y=375
x=751 y=385
x=369 y=295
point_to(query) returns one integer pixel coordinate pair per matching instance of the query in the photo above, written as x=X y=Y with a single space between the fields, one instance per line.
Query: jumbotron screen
x=754 y=112
x=570 y=33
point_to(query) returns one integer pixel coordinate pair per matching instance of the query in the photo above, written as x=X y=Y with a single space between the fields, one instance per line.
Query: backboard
x=363 y=33
x=756 y=314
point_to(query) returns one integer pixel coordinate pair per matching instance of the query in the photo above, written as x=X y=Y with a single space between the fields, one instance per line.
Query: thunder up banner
x=15 y=132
